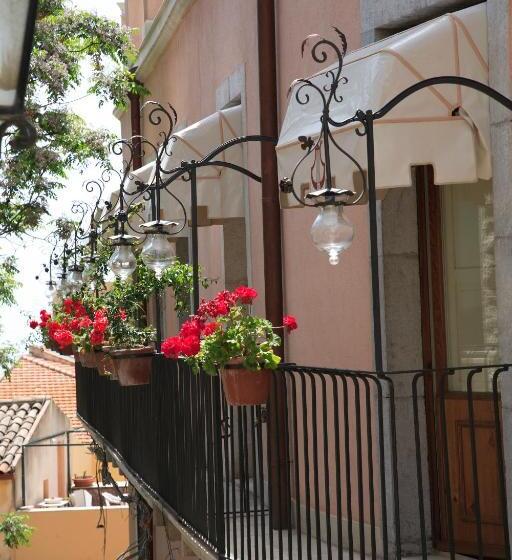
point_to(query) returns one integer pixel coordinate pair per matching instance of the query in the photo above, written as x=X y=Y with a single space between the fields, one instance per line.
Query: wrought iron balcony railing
x=343 y=464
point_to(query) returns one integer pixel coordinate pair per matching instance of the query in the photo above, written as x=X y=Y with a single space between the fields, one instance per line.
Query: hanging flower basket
x=224 y=336
x=243 y=387
x=132 y=366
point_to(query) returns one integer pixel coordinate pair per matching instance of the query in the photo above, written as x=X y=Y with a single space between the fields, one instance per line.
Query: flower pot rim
x=121 y=353
x=240 y=365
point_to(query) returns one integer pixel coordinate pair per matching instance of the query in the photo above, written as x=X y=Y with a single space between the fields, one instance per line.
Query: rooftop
x=44 y=374
x=18 y=421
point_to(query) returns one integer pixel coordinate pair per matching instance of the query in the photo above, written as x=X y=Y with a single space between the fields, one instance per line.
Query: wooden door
x=456 y=241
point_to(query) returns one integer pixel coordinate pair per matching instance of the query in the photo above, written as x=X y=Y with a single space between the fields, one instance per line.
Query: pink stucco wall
x=332 y=304
x=211 y=42
x=151 y=8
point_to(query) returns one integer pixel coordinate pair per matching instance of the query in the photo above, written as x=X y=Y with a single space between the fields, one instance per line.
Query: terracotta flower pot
x=66 y=351
x=87 y=359
x=83 y=481
x=243 y=387
x=133 y=366
x=103 y=362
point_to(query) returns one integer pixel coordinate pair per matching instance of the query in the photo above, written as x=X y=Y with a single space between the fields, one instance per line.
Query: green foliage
x=132 y=296
x=8 y=284
x=240 y=335
x=125 y=334
x=8 y=281
x=8 y=359
x=15 y=530
x=66 y=41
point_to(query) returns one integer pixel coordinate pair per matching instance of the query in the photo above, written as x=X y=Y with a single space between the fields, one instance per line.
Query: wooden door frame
x=430 y=259
x=434 y=343
x=435 y=358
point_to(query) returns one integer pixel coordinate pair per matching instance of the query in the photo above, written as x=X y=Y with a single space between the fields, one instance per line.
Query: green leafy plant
x=224 y=330
x=133 y=295
x=15 y=530
x=66 y=40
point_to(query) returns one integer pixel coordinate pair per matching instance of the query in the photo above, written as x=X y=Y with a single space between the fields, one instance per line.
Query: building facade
x=444 y=256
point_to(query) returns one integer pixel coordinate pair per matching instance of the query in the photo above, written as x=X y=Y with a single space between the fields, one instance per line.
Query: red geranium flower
x=96 y=338
x=74 y=325
x=190 y=345
x=33 y=324
x=122 y=314
x=53 y=327
x=45 y=317
x=192 y=327
x=79 y=309
x=85 y=322
x=63 y=338
x=100 y=322
x=290 y=323
x=244 y=294
x=220 y=308
x=67 y=304
x=171 y=347
x=210 y=328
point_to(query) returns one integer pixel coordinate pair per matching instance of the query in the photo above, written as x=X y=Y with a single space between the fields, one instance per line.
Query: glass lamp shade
x=75 y=279
x=332 y=232
x=63 y=288
x=87 y=272
x=157 y=253
x=50 y=290
x=123 y=262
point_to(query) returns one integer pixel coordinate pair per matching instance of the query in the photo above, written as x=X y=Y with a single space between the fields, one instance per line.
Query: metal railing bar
x=501 y=459
x=263 y=511
x=233 y=489
x=369 y=447
x=337 y=463
x=296 y=468
x=444 y=435
x=394 y=465
x=327 y=489
x=285 y=367
x=255 y=482
x=288 y=474
x=359 y=463
x=474 y=465
x=419 y=471
x=348 y=468
x=316 y=486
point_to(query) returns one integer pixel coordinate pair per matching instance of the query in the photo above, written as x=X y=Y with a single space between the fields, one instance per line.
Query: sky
x=30 y=253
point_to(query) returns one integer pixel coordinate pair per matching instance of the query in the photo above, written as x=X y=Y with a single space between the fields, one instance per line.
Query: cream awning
x=421 y=130
x=219 y=189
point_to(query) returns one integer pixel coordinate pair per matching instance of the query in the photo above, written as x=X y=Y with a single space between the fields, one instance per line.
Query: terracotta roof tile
x=43 y=374
x=18 y=419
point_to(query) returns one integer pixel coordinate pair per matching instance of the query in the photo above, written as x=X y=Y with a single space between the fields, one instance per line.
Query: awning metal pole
x=195 y=242
x=23 y=465
x=374 y=242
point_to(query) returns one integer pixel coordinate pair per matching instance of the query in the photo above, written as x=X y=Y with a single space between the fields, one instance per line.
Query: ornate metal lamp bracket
x=324 y=147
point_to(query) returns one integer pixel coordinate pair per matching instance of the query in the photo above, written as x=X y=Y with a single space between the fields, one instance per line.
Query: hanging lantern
x=157 y=251
x=123 y=262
